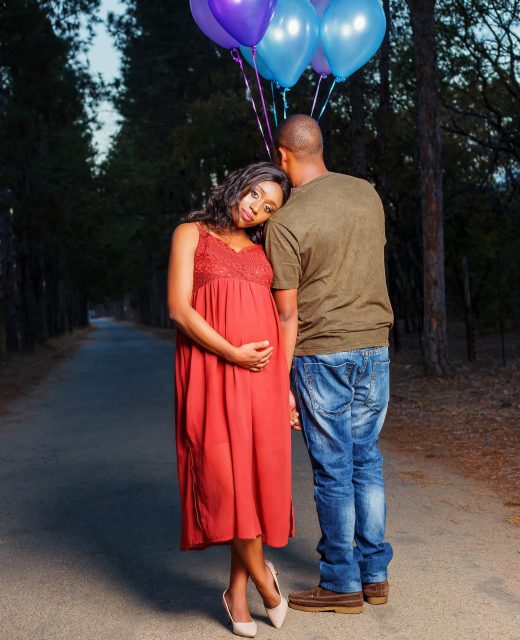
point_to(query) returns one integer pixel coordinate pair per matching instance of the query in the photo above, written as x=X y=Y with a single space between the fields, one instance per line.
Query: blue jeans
x=343 y=399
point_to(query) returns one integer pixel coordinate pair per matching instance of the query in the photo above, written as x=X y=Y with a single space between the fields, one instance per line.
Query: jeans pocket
x=379 y=391
x=329 y=387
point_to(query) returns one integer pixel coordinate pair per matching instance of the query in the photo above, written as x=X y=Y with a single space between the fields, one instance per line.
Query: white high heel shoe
x=278 y=614
x=243 y=629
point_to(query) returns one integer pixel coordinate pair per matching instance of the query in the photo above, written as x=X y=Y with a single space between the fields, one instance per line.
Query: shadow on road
x=129 y=531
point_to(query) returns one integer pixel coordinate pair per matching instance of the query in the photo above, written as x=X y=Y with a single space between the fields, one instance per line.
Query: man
x=326 y=246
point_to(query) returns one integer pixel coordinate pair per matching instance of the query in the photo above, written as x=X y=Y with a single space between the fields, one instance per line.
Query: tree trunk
x=9 y=298
x=27 y=301
x=7 y=258
x=357 y=125
x=42 y=331
x=428 y=106
x=384 y=111
x=383 y=122
x=471 y=348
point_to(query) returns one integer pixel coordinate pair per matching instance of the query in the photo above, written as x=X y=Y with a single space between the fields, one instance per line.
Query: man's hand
x=294 y=416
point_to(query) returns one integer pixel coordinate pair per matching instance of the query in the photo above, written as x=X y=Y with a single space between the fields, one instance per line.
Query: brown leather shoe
x=376 y=592
x=318 y=599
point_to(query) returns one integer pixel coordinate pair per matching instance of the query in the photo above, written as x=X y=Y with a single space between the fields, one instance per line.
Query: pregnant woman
x=232 y=390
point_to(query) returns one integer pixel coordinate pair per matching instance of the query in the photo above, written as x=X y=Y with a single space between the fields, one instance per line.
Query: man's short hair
x=301 y=135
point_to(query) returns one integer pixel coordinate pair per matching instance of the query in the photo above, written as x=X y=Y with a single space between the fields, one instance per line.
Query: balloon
x=319 y=62
x=209 y=26
x=245 y=20
x=351 y=32
x=290 y=41
x=263 y=69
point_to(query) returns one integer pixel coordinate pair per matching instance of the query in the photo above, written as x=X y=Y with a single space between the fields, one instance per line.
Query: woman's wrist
x=230 y=354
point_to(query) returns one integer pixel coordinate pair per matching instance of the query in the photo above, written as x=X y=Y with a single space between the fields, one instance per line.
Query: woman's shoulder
x=186 y=234
x=186 y=230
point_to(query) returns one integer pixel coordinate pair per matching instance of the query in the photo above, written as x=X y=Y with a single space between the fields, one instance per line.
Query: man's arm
x=283 y=252
x=286 y=301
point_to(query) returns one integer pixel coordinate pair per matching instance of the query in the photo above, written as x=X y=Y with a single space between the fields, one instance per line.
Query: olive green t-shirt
x=328 y=242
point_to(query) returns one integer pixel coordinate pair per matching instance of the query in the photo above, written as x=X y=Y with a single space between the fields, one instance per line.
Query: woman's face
x=258 y=205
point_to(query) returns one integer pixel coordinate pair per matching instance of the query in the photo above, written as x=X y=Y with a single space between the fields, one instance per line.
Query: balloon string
x=285 y=104
x=236 y=58
x=317 y=92
x=275 y=114
x=328 y=97
x=266 y=115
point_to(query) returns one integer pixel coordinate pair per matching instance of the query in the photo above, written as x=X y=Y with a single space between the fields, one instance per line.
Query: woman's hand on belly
x=253 y=356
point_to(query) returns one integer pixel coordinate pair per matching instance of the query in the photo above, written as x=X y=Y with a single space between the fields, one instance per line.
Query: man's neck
x=309 y=172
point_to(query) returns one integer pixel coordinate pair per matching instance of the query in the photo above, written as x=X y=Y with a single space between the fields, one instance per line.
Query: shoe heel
x=278 y=614
x=242 y=629
x=349 y=609
x=376 y=599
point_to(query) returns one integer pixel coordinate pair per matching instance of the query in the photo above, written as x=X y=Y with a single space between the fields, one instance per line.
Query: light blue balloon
x=290 y=40
x=351 y=33
x=263 y=69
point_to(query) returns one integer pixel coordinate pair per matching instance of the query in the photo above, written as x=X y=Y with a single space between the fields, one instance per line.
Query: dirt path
x=89 y=521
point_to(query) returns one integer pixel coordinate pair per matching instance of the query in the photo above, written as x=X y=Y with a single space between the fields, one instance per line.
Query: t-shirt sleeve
x=378 y=206
x=283 y=253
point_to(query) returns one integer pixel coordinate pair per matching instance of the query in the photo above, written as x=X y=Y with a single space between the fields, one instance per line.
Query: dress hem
x=221 y=541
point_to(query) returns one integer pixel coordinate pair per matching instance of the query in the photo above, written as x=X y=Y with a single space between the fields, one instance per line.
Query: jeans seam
x=375 y=410
x=362 y=370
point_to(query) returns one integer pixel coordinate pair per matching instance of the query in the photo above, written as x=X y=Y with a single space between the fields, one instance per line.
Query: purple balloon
x=320 y=6
x=245 y=20
x=319 y=62
x=209 y=26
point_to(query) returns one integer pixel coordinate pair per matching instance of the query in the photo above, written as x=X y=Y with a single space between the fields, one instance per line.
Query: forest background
x=77 y=232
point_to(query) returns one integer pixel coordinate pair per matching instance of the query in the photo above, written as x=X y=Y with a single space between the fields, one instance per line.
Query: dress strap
x=201 y=228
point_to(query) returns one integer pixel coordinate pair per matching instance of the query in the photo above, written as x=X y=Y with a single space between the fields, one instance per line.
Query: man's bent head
x=299 y=147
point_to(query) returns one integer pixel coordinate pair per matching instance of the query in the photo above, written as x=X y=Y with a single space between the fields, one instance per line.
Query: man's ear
x=282 y=155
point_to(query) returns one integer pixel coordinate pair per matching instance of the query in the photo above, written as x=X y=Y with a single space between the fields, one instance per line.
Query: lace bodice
x=215 y=259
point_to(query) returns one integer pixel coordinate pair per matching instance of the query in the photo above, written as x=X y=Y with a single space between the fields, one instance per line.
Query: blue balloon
x=263 y=69
x=351 y=33
x=290 y=40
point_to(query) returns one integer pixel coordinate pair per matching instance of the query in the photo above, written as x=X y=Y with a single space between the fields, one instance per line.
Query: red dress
x=233 y=433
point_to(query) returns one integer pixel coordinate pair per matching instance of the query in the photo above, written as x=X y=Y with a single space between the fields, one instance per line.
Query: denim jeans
x=343 y=399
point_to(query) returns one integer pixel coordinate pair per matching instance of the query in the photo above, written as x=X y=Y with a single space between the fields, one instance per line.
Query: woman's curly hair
x=217 y=214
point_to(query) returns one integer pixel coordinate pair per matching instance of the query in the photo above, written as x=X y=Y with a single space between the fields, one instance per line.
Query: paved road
x=89 y=523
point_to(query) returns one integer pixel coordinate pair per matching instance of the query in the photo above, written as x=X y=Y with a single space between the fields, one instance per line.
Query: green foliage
x=48 y=206
x=186 y=123
x=69 y=230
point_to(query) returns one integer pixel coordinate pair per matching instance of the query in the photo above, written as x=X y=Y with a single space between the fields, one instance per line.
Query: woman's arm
x=253 y=356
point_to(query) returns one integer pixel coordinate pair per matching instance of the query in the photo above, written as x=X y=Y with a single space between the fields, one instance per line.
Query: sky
x=104 y=59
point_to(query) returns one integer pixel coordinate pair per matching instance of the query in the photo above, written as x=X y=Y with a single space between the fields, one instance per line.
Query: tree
x=422 y=14
x=186 y=123
x=46 y=186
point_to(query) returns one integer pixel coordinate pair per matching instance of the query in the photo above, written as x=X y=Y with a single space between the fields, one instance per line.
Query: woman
x=232 y=389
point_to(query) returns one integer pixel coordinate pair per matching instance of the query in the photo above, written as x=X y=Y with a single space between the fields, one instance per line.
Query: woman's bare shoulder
x=186 y=231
